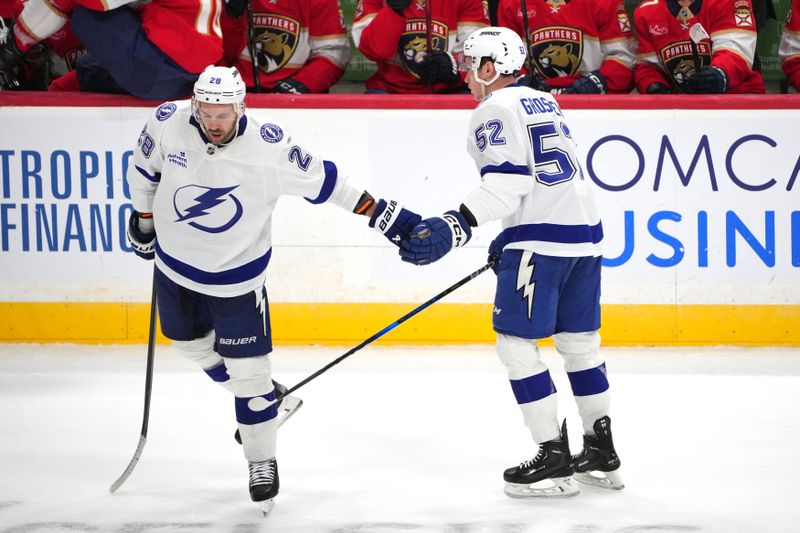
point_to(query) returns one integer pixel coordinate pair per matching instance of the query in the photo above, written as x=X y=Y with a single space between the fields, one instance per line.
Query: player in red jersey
x=152 y=50
x=696 y=47
x=394 y=34
x=577 y=46
x=302 y=46
x=790 y=45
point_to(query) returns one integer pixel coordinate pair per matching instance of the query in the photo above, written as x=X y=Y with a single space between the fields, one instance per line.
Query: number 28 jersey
x=212 y=205
x=532 y=178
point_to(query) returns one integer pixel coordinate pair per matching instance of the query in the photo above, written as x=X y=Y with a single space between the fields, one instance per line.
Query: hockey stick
x=389 y=328
x=148 y=386
x=428 y=35
x=526 y=29
x=697 y=33
x=251 y=46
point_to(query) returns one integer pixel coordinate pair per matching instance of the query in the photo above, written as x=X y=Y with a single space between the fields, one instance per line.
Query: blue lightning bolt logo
x=204 y=203
x=525 y=279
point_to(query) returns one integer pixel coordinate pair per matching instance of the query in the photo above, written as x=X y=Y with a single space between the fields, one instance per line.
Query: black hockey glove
x=657 y=88
x=8 y=81
x=591 y=83
x=10 y=55
x=534 y=82
x=290 y=86
x=142 y=235
x=438 y=67
x=235 y=8
x=707 y=80
x=393 y=221
x=398 y=5
x=434 y=237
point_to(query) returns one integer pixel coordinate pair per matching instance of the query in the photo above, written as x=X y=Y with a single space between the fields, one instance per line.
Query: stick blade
x=134 y=460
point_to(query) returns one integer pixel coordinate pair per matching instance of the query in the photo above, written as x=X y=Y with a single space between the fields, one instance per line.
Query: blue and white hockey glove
x=432 y=238
x=393 y=221
x=142 y=235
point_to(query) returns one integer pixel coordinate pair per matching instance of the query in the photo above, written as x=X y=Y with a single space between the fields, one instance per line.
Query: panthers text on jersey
x=532 y=177
x=789 y=51
x=570 y=38
x=397 y=43
x=212 y=205
x=667 y=54
x=304 y=39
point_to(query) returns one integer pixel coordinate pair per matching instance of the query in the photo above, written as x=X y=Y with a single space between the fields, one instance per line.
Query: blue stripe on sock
x=245 y=415
x=588 y=382
x=218 y=373
x=533 y=388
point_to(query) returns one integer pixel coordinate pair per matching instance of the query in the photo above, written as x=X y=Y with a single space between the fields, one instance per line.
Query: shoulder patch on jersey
x=272 y=133
x=147 y=145
x=165 y=111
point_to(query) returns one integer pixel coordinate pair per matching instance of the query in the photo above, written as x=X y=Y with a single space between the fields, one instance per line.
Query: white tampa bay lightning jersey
x=212 y=205
x=532 y=178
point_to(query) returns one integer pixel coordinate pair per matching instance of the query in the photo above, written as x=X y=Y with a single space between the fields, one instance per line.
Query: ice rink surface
x=394 y=440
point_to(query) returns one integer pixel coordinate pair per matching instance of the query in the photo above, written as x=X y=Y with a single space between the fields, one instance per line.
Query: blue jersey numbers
x=490 y=130
x=299 y=158
x=553 y=165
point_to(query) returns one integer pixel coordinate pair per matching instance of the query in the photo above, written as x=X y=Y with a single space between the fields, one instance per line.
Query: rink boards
x=699 y=200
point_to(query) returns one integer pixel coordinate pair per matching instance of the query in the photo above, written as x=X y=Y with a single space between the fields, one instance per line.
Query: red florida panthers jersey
x=790 y=45
x=398 y=42
x=569 y=38
x=185 y=30
x=304 y=39
x=667 y=54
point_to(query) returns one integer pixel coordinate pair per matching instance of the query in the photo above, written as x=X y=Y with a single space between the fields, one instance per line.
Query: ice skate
x=264 y=484
x=548 y=475
x=598 y=463
x=287 y=407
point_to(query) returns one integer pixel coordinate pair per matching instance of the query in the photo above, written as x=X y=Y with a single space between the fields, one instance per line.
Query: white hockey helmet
x=501 y=45
x=220 y=85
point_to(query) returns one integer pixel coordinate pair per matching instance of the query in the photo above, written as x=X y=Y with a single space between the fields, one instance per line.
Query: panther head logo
x=559 y=58
x=415 y=49
x=682 y=70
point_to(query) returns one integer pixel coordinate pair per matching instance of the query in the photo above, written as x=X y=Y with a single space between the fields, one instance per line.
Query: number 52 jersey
x=532 y=178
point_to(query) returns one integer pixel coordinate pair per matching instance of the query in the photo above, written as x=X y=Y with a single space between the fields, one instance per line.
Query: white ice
x=394 y=440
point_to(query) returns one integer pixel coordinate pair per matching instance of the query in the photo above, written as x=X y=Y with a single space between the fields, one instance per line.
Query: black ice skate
x=286 y=407
x=264 y=483
x=598 y=463
x=546 y=475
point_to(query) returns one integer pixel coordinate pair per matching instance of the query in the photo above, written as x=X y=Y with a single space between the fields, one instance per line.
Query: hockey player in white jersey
x=547 y=260
x=204 y=182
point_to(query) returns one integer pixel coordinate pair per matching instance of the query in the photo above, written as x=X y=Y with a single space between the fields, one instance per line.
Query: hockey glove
x=142 y=235
x=592 y=83
x=707 y=80
x=534 y=82
x=657 y=88
x=432 y=238
x=438 y=67
x=398 y=5
x=235 y=8
x=393 y=221
x=290 y=86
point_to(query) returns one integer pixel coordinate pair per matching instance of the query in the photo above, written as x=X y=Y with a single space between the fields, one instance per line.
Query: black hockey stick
x=389 y=328
x=148 y=386
x=251 y=46
x=526 y=30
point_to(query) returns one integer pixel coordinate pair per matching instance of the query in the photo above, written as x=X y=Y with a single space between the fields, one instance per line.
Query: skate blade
x=266 y=507
x=605 y=480
x=559 y=487
x=289 y=406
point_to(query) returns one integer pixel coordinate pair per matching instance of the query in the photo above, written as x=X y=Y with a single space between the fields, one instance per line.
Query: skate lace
x=530 y=462
x=262 y=473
